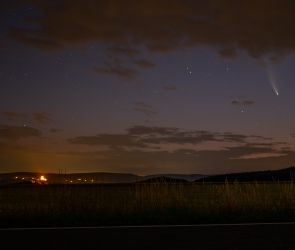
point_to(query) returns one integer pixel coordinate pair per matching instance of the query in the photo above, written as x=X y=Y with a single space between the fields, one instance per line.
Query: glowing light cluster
x=42 y=178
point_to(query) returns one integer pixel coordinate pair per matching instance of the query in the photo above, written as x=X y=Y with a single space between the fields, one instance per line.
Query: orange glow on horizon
x=42 y=178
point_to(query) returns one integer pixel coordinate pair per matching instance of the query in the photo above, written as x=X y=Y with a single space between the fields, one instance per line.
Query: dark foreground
x=255 y=236
x=145 y=204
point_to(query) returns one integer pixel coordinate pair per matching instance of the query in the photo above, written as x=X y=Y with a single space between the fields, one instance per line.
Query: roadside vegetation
x=146 y=203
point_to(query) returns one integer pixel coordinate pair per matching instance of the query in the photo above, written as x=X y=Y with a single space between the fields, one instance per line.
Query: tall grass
x=146 y=204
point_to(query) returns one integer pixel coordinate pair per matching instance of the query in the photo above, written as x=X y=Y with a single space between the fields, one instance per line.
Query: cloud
x=145 y=137
x=34 y=40
x=41 y=117
x=158 y=135
x=194 y=137
x=269 y=144
x=17 y=132
x=145 y=130
x=242 y=103
x=256 y=151
x=170 y=88
x=55 y=130
x=258 y=27
x=115 y=67
x=259 y=155
x=118 y=51
x=11 y=116
x=111 y=140
x=235 y=102
x=144 y=64
x=145 y=109
x=234 y=137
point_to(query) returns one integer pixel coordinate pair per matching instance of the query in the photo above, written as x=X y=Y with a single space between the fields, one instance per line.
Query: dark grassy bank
x=285 y=174
x=143 y=204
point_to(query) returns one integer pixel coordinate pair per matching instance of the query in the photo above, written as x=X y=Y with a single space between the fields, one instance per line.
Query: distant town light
x=42 y=178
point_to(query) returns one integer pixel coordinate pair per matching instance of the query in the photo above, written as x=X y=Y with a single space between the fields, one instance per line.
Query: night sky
x=149 y=86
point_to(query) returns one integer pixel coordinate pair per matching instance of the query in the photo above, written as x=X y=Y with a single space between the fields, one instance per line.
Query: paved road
x=243 y=236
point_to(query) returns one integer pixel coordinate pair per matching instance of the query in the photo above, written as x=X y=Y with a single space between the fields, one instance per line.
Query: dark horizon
x=62 y=173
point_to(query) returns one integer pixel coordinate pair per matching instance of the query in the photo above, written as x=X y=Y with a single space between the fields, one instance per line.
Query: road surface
x=243 y=236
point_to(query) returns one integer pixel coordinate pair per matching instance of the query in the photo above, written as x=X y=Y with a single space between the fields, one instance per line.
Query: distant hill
x=88 y=178
x=77 y=178
x=163 y=179
x=187 y=177
x=285 y=174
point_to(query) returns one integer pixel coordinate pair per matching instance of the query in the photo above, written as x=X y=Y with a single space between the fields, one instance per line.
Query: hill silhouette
x=72 y=178
x=92 y=178
x=163 y=179
x=187 y=177
x=286 y=174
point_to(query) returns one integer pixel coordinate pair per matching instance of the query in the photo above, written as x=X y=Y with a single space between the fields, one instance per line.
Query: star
x=189 y=70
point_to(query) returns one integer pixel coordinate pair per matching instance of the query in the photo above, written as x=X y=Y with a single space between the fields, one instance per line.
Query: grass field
x=143 y=204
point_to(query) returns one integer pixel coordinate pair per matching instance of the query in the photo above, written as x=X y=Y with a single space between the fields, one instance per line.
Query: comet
x=273 y=80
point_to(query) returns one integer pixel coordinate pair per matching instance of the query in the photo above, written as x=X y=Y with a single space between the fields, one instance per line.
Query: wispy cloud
x=114 y=66
x=145 y=137
x=242 y=102
x=144 y=64
x=55 y=130
x=111 y=140
x=170 y=88
x=145 y=109
x=41 y=117
x=259 y=156
x=18 y=132
x=10 y=115
x=119 y=51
